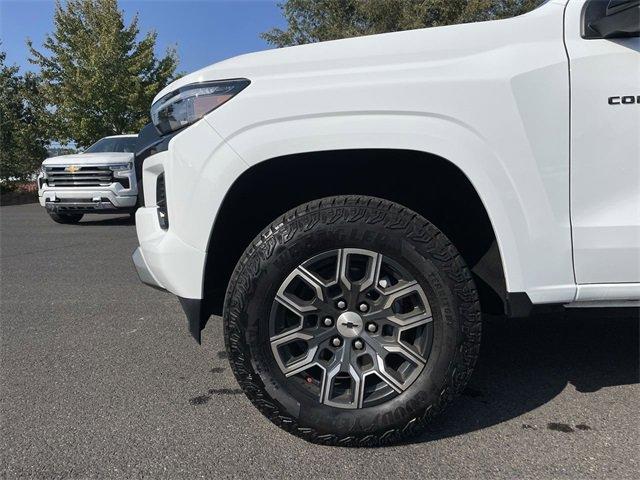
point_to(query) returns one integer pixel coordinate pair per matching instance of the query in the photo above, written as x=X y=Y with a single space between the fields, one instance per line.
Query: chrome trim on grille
x=85 y=176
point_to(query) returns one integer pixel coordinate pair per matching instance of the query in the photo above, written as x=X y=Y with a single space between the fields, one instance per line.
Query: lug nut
x=341 y=304
x=372 y=327
x=328 y=321
x=363 y=307
x=336 y=342
x=383 y=283
x=358 y=345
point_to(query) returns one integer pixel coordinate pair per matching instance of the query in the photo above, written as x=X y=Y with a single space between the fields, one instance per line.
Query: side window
x=611 y=19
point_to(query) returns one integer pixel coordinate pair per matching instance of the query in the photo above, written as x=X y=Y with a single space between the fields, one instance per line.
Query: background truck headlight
x=121 y=166
x=190 y=103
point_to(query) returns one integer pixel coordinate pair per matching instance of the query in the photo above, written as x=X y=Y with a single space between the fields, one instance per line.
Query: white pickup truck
x=351 y=207
x=102 y=179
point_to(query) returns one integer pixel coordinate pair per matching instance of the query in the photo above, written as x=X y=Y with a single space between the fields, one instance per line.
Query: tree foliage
x=96 y=77
x=22 y=144
x=319 y=20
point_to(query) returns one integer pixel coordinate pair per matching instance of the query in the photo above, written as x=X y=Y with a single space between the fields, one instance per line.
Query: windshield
x=117 y=144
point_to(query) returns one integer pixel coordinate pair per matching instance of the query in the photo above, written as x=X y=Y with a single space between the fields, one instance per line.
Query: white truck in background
x=102 y=179
x=351 y=207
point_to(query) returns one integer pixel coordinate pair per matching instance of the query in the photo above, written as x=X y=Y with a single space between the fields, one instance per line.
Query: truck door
x=604 y=55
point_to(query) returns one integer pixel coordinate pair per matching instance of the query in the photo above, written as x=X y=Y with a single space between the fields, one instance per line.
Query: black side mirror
x=611 y=19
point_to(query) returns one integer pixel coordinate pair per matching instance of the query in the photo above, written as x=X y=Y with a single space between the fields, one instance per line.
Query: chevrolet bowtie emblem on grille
x=72 y=169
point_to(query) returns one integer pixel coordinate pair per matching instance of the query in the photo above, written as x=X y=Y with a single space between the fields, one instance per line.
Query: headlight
x=190 y=103
x=121 y=166
x=43 y=169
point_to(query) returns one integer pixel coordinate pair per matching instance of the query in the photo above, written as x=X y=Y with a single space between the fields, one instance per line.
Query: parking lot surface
x=100 y=378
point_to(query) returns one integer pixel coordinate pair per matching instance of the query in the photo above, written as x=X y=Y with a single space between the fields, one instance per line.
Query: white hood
x=89 y=159
x=436 y=44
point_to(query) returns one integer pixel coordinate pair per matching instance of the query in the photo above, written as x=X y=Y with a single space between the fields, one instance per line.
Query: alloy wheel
x=350 y=328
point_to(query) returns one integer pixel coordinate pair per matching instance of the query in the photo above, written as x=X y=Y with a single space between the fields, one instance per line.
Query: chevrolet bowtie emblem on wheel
x=72 y=169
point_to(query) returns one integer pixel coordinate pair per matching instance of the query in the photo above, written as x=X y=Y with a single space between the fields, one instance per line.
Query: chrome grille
x=89 y=176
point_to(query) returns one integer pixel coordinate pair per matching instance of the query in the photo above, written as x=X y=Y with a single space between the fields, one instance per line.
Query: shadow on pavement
x=95 y=220
x=525 y=363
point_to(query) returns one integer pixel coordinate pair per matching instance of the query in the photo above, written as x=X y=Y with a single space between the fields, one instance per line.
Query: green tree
x=97 y=78
x=319 y=20
x=22 y=144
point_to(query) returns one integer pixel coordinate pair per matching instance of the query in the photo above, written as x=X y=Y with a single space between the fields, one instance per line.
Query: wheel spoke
x=404 y=351
x=300 y=362
x=296 y=304
x=398 y=291
x=370 y=276
x=383 y=349
x=387 y=315
x=378 y=367
x=343 y=255
x=319 y=336
x=412 y=320
x=384 y=375
x=373 y=272
x=313 y=281
x=419 y=313
x=353 y=399
x=307 y=267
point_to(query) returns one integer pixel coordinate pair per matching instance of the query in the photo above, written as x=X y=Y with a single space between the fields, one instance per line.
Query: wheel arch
x=428 y=184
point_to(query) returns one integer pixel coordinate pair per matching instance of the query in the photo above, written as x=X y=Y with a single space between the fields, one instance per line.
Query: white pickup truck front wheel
x=352 y=321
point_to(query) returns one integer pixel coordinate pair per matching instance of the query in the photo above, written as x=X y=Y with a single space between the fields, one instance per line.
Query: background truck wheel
x=66 y=217
x=352 y=321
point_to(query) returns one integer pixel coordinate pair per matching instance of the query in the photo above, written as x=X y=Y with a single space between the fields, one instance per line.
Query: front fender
x=520 y=198
x=532 y=239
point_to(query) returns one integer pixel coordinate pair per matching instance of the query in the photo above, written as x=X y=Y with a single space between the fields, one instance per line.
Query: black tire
x=66 y=218
x=366 y=223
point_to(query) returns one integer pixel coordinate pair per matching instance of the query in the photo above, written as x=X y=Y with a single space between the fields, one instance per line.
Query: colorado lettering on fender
x=626 y=100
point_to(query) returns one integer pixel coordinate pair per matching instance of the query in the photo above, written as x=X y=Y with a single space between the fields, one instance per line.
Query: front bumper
x=193 y=308
x=143 y=271
x=197 y=170
x=98 y=206
x=176 y=265
x=105 y=199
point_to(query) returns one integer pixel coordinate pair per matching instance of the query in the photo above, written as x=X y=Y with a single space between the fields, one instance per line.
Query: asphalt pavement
x=100 y=378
